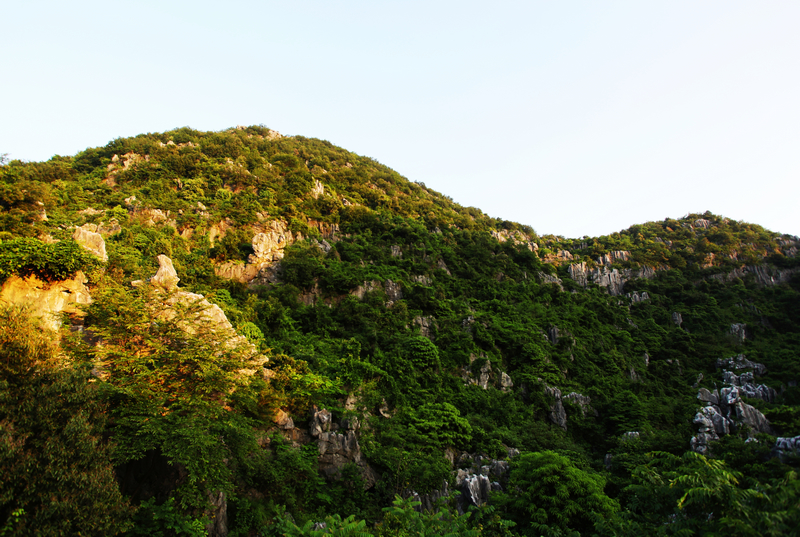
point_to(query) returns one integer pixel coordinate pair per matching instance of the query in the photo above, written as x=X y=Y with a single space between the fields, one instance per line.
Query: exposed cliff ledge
x=612 y=279
x=47 y=300
x=269 y=242
x=724 y=410
x=166 y=280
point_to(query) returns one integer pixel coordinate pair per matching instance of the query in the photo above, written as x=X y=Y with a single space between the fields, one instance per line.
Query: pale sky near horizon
x=575 y=117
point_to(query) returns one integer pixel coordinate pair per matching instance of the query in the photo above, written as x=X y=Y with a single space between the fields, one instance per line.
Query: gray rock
x=764 y=275
x=426 y=325
x=583 y=402
x=422 y=280
x=677 y=318
x=475 y=489
x=394 y=291
x=547 y=278
x=612 y=279
x=557 y=414
x=786 y=446
x=320 y=422
x=635 y=297
x=505 y=382
x=725 y=411
x=613 y=257
x=483 y=376
x=753 y=418
x=738 y=331
x=741 y=362
x=708 y=397
x=217 y=526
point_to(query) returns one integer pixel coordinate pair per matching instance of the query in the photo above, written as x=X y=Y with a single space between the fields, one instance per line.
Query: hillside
x=239 y=332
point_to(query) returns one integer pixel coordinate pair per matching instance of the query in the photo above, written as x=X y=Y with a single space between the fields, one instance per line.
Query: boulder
x=91 y=241
x=166 y=277
x=505 y=382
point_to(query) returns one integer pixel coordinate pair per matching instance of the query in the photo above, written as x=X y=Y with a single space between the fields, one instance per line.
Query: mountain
x=244 y=333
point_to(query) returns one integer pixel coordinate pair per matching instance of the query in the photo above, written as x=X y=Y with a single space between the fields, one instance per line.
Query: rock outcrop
x=738 y=362
x=635 y=297
x=426 y=324
x=166 y=281
x=91 y=241
x=516 y=237
x=547 y=278
x=47 y=300
x=583 y=402
x=270 y=240
x=724 y=410
x=338 y=445
x=611 y=279
x=786 y=447
x=166 y=278
x=764 y=275
x=739 y=332
x=557 y=413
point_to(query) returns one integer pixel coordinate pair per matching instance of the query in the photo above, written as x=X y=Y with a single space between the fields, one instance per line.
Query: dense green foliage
x=439 y=330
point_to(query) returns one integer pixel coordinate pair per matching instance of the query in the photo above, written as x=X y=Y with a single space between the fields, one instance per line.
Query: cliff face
x=48 y=300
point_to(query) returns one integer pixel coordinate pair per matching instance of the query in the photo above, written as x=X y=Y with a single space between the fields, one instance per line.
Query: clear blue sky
x=577 y=118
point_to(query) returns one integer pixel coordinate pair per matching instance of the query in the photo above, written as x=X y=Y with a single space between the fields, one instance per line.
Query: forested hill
x=243 y=333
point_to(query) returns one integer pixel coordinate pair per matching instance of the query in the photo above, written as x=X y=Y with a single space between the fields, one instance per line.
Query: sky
x=574 y=117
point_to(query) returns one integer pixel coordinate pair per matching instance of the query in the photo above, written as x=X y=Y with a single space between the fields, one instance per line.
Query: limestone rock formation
x=612 y=279
x=724 y=410
x=338 y=445
x=786 y=446
x=166 y=280
x=91 y=241
x=764 y=275
x=484 y=374
x=613 y=257
x=635 y=297
x=547 y=278
x=478 y=476
x=739 y=332
x=557 y=414
x=426 y=325
x=505 y=382
x=47 y=299
x=422 y=280
x=741 y=362
x=166 y=277
x=394 y=291
x=583 y=402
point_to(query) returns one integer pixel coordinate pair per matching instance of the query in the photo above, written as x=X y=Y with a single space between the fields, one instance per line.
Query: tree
x=174 y=374
x=56 y=476
x=548 y=493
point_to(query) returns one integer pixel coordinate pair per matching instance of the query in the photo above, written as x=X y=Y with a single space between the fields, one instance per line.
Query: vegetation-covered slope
x=415 y=347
